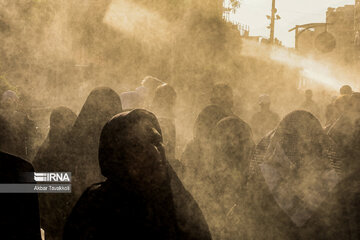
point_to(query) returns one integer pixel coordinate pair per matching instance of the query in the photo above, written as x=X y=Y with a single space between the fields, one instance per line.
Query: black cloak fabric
x=54 y=208
x=83 y=143
x=19 y=218
x=292 y=179
x=142 y=197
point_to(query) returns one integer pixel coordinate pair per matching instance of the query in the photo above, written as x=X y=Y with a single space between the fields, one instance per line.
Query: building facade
x=357 y=30
x=341 y=25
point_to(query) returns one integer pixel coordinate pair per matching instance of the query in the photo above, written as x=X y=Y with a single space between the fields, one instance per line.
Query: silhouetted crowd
x=271 y=178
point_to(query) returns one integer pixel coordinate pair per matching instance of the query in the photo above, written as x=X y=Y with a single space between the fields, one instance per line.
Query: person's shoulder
x=10 y=161
x=94 y=189
x=14 y=169
x=91 y=197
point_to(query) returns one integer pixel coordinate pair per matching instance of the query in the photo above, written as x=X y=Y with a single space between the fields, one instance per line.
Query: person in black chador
x=293 y=175
x=19 y=212
x=233 y=149
x=265 y=120
x=136 y=201
x=102 y=104
x=54 y=208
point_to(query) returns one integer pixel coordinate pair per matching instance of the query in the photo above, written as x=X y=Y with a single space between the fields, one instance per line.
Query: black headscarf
x=126 y=137
x=99 y=107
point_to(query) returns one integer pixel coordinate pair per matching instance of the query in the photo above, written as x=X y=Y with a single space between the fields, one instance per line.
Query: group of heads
x=229 y=136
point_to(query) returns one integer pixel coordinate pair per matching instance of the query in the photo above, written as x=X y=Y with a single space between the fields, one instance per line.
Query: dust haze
x=55 y=52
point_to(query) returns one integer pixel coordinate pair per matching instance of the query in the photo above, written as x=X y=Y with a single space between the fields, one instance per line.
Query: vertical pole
x=272 y=25
x=296 y=37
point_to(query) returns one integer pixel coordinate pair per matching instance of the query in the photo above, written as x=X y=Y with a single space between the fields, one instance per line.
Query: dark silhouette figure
x=49 y=156
x=344 y=132
x=136 y=201
x=309 y=104
x=292 y=174
x=222 y=95
x=264 y=121
x=346 y=90
x=19 y=211
x=197 y=156
x=102 y=104
x=234 y=147
x=54 y=208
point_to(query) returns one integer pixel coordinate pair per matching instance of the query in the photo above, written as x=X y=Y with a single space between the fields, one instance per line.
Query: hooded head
x=61 y=122
x=131 y=150
x=99 y=107
x=164 y=101
x=234 y=142
x=301 y=136
x=206 y=122
x=298 y=165
x=346 y=90
x=222 y=95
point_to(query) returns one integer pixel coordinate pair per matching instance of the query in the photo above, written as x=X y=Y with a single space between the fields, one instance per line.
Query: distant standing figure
x=147 y=89
x=309 y=104
x=264 y=121
x=142 y=96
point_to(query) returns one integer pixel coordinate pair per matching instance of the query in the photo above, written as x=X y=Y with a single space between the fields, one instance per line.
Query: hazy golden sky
x=292 y=12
